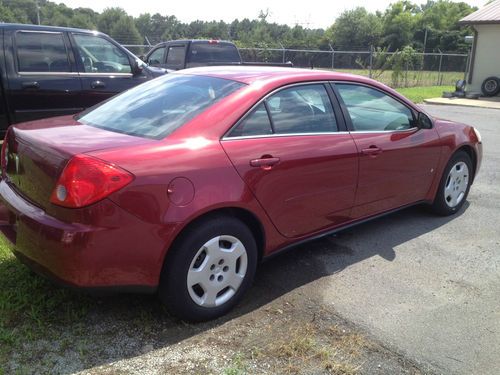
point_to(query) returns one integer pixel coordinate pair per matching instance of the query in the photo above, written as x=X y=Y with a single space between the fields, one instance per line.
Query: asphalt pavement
x=427 y=286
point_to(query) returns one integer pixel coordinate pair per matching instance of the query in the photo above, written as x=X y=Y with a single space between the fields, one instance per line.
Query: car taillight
x=86 y=180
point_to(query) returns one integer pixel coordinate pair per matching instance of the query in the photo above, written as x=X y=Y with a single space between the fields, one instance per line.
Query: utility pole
x=425 y=38
x=423 y=52
x=37 y=11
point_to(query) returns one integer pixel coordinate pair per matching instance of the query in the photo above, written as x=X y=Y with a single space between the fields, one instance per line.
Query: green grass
x=412 y=78
x=30 y=305
x=418 y=94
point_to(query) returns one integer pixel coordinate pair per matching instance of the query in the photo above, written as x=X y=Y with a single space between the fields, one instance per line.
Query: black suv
x=49 y=71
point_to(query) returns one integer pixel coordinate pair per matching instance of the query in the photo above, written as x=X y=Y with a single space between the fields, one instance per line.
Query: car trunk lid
x=37 y=152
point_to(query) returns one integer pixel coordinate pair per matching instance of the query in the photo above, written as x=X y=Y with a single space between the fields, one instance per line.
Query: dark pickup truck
x=182 y=54
x=49 y=71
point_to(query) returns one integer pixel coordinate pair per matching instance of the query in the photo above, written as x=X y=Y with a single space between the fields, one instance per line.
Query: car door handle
x=372 y=151
x=30 y=85
x=264 y=162
x=98 y=85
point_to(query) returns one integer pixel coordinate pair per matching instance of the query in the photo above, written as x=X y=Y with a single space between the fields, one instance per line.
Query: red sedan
x=183 y=184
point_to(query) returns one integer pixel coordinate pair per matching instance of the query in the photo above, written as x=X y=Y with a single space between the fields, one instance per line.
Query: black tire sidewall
x=440 y=206
x=490 y=93
x=173 y=289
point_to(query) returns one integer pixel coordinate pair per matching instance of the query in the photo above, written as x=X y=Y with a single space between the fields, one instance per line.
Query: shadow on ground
x=125 y=326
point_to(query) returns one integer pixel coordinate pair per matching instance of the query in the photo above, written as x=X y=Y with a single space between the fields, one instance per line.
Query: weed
x=237 y=367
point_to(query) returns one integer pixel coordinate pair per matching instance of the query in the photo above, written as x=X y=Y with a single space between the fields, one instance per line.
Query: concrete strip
x=492 y=103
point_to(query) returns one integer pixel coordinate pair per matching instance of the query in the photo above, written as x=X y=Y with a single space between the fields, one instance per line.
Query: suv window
x=175 y=55
x=156 y=57
x=213 y=52
x=373 y=110
x=295 y=110
x=99 y=55
x=41 y=52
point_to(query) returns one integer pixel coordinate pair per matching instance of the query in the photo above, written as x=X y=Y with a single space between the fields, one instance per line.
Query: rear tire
x=490 y=86
x=454 y=185
x=209 y=269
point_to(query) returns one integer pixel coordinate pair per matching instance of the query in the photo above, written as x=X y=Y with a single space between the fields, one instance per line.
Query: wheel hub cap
x=456 y=184
x=217 y=271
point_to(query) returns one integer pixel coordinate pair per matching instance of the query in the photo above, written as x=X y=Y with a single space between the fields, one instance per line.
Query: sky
x=320 y=14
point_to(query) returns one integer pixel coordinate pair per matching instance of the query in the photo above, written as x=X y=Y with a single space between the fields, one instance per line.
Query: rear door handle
x=98 y=85
x=372 y=151
x=30 y=85
x=264 y=162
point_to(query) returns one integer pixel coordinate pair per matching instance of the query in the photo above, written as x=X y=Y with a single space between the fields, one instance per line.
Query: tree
x=355 y=29
x=399 y=24
x=125 y=32
x=6 y=15
x=109 y=17
x=440 y=19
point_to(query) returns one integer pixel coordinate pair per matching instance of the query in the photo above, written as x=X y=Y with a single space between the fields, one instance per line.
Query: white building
x=485 y=58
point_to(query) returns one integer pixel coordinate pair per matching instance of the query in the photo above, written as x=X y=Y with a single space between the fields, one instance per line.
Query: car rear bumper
x=77 y=255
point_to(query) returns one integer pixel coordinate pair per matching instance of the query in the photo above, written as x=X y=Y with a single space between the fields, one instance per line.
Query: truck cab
x=182 y=54
x=50 y=71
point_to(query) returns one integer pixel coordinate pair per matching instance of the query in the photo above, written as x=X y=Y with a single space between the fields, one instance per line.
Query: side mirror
x=142 y=57
x=424 y=122
x=137 y=67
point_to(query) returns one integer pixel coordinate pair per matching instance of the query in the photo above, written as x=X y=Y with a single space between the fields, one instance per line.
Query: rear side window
x=302 y=109
x=99 y=55
x=175 y=55
x=373 y=110
x=213 y=52
x=158 y=107
x=256 y=123
x=41 y=52
x=295 y=110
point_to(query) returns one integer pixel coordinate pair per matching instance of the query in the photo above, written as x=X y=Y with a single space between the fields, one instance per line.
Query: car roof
x=273 y=77
x=22 y=26
x=251 y=74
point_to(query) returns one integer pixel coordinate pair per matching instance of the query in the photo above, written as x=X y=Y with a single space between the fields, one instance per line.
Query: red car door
x=301 y=168
x=397 y=160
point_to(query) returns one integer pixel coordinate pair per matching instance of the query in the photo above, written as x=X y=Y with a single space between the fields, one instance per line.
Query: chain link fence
x=397 y=69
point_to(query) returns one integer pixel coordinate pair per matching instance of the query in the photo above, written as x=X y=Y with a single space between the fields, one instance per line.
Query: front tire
x=454 y=185
x=209 y=269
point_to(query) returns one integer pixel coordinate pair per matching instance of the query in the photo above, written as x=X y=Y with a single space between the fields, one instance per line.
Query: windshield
x=158 y=107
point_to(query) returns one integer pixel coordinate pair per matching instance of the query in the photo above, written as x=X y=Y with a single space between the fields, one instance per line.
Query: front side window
x=295 y=110
x=373 y=110
x=41 y=52
x=99 y=55
x=175 y=55
x=156 y=57
x=158 y=107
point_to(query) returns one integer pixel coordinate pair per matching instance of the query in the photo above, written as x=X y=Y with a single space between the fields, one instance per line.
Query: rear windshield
x=158 y=107
x=213 y=52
